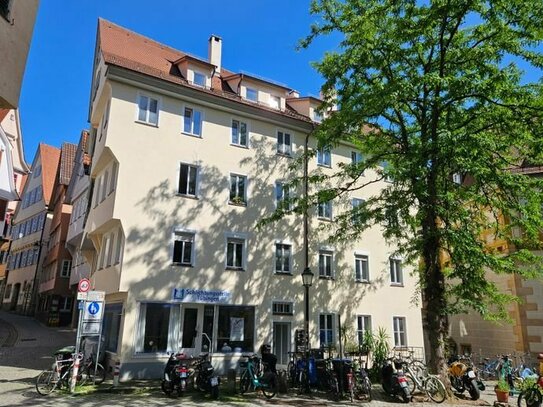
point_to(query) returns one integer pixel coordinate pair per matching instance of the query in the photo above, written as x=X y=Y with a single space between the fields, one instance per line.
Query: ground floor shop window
x=158 y=328
x=112 y=324
x=235 y=330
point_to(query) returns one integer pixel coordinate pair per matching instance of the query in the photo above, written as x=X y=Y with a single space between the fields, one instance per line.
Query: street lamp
x=307 y=281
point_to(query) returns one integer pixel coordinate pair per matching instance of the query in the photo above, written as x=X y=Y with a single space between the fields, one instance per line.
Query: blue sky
x=259 y=36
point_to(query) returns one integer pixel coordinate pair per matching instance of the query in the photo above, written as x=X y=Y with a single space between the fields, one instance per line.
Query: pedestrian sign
x=93 y=311
x=94 y=308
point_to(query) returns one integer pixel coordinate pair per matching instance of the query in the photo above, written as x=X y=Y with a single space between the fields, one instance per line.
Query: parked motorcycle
x=463 y=377
x=206 y=381
x=394 y=381
x=176 y=375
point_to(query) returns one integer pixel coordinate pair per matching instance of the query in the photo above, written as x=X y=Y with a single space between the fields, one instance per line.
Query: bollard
x=116 y=373
x=75 y=372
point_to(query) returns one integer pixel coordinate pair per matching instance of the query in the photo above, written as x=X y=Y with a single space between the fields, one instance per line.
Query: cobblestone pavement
x=26 y=347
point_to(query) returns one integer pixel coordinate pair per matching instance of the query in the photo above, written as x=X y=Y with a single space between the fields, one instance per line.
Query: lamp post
x=307 y=281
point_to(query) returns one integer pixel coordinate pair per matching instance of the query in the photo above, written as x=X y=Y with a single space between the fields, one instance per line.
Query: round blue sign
x=93 y=308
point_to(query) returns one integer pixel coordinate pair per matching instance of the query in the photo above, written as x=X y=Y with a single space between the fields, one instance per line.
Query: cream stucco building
x=187 y=157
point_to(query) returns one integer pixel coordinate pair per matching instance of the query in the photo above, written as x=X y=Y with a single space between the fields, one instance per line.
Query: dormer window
x=199 y=79
x=317 y=116
x=275 y=102
x=252 y=94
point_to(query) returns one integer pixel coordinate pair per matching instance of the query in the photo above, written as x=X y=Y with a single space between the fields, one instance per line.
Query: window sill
x=239 y=146
x=147 y=123
x=175 y=264
x=324 y=219
x=282 y=273
x=191 y=134
x=288 y=155
x=234 y=268
x=326 y=278
x=362 y=281
x=186 y=196
x=242 y=204
x=396 y=284
x=324 y=165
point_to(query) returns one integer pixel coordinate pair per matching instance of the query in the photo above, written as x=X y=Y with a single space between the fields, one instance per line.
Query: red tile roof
x=50 y=158
x=130 y=50
x=67 y=159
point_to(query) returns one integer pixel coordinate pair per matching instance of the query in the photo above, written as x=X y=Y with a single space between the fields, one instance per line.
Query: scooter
x=176 y=375
x=206 y=381
x=463 y=377
x=394 y=381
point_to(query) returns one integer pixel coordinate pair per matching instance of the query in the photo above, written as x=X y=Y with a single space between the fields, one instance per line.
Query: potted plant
x=502 y=390
x=531 y=392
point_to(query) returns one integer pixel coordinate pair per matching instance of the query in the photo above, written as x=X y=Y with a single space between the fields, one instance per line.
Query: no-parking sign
x=84 y=285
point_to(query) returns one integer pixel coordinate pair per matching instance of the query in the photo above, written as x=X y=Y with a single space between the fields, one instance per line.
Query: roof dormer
x=195 y=71
x=307 y=106
x=259 y=91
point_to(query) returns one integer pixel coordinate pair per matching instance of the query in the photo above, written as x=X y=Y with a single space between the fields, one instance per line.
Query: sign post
x=91 y=305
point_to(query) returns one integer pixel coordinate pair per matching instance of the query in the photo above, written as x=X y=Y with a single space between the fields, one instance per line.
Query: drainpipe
x=33 y=299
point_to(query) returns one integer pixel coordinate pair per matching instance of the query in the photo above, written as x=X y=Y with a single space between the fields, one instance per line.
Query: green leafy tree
x=432 y=95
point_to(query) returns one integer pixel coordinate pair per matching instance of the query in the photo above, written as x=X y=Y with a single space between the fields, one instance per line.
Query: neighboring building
x=470 y=332
x=30 y=231
x=54 y=294
x=77 y=196
x=187 y=157
x=16 y=26
x=13 y=170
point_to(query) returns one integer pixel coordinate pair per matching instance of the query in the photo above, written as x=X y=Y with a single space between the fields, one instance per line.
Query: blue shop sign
x=202 y=296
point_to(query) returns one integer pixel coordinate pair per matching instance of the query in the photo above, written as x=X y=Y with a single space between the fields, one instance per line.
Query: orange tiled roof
x=50 y=157
x=67 y=159
x=130 y=50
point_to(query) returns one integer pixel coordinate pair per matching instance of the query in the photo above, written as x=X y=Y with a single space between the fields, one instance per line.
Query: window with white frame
x=106 y=114
x=65 y=304
x=97 y=189
x=324 y=157
x=235 y=248
x=400 y=332
x=363 y=325
x=361 y=268
x=239 y=133
x=188 y=176
x=251 y=94
x=282 y=308
x=105 y=179
x=396 y=277
x=192 y=122
x=183 y=248
x=326 y=258
x=110 y=249
x=324 y=209
x=356 y=157
x=283 y=258
x=284 y=146
x=275 y=102
x=199 y=79
x=158 y=328
x=317 y=116
x=148 y=110
x=457 y=178
x=282 y=196
x=357 y=216
x=119 y=247
x=66 y=268
x=238 y=189
x=113 y=181
x=326 y=329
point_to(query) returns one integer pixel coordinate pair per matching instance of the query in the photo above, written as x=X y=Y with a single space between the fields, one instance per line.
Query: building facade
x=55 y=297
x=30 y=229
x=187 y=158
x=13 y=171
x=17 y=20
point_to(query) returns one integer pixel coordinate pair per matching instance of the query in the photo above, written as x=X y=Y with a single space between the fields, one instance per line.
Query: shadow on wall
x=149 y=247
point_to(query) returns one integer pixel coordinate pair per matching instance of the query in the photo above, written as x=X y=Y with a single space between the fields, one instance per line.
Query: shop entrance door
x=281 y=342
x=196 y=328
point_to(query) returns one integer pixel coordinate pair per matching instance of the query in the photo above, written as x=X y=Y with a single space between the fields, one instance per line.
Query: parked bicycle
x=59 y=376
x=361 y=380
x=252 y=378
x=420 y=380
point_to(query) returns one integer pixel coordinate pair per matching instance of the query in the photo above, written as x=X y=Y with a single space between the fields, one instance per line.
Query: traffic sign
x=81 y=296
x=93 y=311
x=84 y=285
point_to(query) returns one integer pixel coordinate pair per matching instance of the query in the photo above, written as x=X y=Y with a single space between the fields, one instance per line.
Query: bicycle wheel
x=46 y=382
x=411 y=383
x=419 y=369
x=269 y=385
x=244 y=382
x=89 y=377
x=435 y=389
x=302 y=382
x=333 y=386
x=530 y=398
x=291 y=374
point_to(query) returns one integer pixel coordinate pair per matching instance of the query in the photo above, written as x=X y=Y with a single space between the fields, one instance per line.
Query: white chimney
x=214 y=51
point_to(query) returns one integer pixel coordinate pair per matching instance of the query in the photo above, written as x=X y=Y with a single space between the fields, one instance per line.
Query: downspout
x=33 y=299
